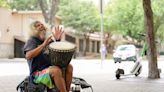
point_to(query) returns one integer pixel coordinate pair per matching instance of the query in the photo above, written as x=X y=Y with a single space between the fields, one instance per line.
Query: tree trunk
x=150 y=37
x=86 y=38
x=44 y=9
x=49 y=10
x=54 y=9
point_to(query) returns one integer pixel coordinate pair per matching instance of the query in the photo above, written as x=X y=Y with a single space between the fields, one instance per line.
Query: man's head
x=38 y=30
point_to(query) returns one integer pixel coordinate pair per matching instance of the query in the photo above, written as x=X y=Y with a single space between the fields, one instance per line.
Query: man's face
x=39 y=26
x=42 y=30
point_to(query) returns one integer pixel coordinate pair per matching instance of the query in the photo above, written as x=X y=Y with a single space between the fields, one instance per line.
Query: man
x=39 y=63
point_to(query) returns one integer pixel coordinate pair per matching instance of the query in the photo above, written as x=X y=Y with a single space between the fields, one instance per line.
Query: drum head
x=62 y=46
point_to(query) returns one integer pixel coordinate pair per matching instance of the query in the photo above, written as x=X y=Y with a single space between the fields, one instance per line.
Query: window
x=98 y=46
x=70 y=38
x=87 y=45
x=93 y=46
x=81 y=42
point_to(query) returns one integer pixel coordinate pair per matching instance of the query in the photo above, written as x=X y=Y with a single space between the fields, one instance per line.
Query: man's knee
x=55 y=71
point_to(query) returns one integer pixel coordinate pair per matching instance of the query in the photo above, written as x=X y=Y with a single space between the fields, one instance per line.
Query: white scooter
x=135 y=71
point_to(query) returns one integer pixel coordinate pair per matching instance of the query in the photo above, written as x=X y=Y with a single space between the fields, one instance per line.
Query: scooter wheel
x=118 y=76
x=138 y=72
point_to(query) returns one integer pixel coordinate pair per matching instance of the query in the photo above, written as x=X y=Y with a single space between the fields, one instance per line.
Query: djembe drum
x=61 y=53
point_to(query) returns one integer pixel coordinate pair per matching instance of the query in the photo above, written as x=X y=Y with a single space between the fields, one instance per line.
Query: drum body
x=61 y=53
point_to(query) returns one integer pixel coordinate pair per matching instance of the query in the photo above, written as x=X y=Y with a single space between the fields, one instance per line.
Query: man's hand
x=57 y=33
x=47 y=41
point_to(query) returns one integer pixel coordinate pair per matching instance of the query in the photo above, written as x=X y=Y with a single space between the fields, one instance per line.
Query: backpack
x=81 y=82
x=27 y=86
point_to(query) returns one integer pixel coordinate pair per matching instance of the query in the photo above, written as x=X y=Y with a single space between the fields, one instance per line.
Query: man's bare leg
x=69 y=74
x=56 y=74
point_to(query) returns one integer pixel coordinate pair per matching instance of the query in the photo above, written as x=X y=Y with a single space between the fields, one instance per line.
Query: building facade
x=14 y=27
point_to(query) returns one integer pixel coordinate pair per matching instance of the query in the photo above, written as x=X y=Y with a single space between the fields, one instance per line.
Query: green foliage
x=81 y=15
x=158 y=18
x=126 y=17
x=25 y=5
x=4 y=4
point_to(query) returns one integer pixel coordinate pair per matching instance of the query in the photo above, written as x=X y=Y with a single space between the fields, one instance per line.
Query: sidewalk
x=101 y=75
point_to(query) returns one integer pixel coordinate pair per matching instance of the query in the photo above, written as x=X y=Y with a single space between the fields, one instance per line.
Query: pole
x=102 y=59
x=102 y=22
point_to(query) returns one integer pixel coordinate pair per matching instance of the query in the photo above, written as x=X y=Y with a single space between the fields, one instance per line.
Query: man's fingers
x=49 y=38
x=57 y=33
x=62 y=32
x=60 y=29
x=55 y=28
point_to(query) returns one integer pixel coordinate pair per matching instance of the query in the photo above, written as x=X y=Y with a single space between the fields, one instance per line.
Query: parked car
x=125 y=53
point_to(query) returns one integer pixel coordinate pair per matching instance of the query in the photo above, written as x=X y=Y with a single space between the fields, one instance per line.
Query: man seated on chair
x=39 y=62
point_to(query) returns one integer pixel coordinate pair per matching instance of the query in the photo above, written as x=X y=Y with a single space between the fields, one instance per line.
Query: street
x=101 y=75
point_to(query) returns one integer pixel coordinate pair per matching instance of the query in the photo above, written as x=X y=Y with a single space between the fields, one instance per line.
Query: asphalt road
x=101 y=75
